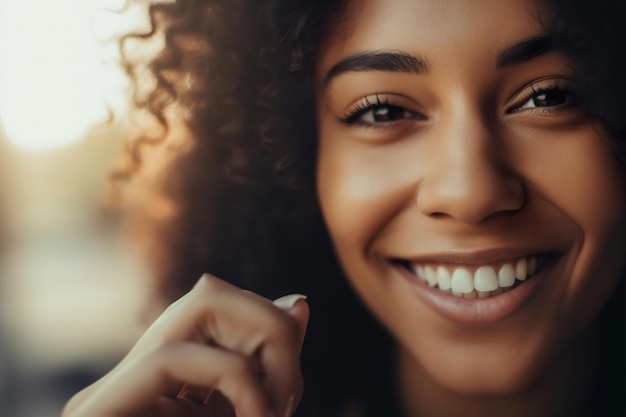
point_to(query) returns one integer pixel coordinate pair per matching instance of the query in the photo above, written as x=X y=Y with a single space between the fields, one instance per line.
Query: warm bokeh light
x=58 y=74
x=73 y=290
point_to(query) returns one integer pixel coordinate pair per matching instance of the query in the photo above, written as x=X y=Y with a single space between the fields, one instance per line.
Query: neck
x=564 y=390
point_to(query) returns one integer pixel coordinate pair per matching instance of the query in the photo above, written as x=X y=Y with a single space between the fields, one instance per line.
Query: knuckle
x=209 y=284
x=203 y=292
x=207 y=292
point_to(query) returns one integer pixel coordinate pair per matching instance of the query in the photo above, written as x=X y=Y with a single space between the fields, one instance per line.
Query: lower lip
x=477 y=311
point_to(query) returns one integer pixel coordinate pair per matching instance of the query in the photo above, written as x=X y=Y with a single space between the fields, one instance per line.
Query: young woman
x=466 y=161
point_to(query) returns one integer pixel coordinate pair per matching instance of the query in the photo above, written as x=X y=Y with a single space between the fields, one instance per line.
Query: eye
x=548 y=98
x=377 y=110
x=383 y=113
x=551 y=95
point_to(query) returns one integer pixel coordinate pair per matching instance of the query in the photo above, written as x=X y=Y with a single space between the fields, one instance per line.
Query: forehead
x=430 y=28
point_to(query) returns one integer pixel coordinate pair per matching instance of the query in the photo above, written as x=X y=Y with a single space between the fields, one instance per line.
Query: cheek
x=598 y=204
x=576 y=172
x=579 y=177
x=350 y=196
x=361 y=187
x=589 y=187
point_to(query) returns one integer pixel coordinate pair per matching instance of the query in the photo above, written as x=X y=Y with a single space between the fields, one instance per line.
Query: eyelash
x=536 y=90
x=379 y=101
x=371 y=103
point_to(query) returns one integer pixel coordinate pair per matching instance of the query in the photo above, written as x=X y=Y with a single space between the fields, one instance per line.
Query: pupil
x=550 y=98
x=388 y=113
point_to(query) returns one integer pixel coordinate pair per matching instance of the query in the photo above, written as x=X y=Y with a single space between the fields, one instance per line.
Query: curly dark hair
x=232 y=94
x=223 y=74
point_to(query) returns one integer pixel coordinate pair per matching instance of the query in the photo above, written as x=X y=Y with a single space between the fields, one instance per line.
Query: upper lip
x=477 y=257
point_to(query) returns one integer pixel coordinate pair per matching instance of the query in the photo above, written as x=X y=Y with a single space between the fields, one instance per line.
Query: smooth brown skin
x=471 y=165
x=216 y=336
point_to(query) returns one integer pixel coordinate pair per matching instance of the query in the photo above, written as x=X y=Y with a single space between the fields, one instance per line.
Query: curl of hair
x=215 y=94
x=593 y=36
x=233 y=85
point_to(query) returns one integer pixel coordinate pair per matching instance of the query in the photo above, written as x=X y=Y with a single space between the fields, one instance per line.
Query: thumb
x=296 y=306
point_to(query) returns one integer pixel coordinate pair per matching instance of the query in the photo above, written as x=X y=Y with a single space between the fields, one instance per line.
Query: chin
x=493 y=368
x=473 y=380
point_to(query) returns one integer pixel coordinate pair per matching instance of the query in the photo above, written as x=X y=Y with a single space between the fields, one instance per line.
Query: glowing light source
x=57 y=75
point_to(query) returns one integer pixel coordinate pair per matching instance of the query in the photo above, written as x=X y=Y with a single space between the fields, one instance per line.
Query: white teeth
x=521 y=269
x=485 y=279
x=431 y=276
x=443 y=278
x=506 y=276
x=483 y=283
x=462 y=281
x=419 y=271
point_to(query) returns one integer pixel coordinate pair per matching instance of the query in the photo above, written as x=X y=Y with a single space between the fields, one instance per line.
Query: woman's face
x=473 y=206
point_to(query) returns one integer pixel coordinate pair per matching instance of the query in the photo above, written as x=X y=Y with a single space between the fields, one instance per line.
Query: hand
x=217 y=336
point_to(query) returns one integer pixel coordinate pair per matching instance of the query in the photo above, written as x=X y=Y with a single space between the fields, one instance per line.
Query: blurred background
x=71 y=288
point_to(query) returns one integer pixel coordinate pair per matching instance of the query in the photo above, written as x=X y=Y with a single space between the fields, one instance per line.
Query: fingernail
x=204 y=277
x=288 y=301
x=290 y=405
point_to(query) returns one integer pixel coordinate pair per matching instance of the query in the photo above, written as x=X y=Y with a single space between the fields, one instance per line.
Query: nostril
x=437 y=214
x=471 y=199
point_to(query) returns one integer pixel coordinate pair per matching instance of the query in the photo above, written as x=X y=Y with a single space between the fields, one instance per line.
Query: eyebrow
x=392 y=61
x=524 y=51
x=398 y=61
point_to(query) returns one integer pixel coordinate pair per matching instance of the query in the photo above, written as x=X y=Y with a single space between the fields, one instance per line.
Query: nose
x=468 y=177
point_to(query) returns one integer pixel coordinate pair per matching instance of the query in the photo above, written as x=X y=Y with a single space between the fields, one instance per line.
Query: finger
x=213 y=311
x=220 y=314
x=280 y=355
x=278 y=337
x=173 y=364
x=252 y=325
x=296 y=306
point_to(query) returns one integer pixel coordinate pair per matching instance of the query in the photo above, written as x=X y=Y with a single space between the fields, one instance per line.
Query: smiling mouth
x=476 y=281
